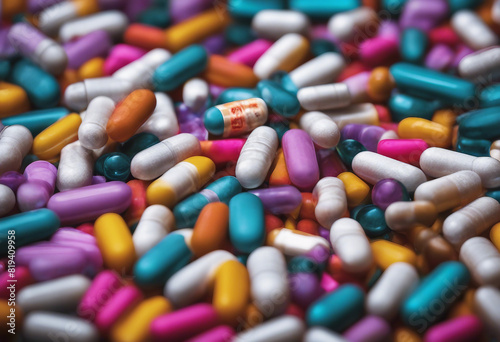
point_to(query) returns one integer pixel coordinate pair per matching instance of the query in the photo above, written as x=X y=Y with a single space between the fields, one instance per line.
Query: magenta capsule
x=39 y=186
x=22 y=277
x=121 y=55
x=250 y=53
x=405 y=150
x=103 y=287
x=329 y=163
x=93 y=44
x=221 y=333
x=90 y=202
x=279 y=200
x=463 y=328
x=222 y=151
x=328 y=284
x=300 y=158
x=12 y=179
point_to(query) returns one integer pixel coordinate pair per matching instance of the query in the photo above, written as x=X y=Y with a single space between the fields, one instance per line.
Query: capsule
x=92 y=132
x=226 y=73
x=387 y=253
x=331 y=200
x=433 y=133
x=256 y=157
x=314 y=334
x=15 y=143
x=346 y=233
x=403 y=215
x=246 y=222
x=163 y=122
x=75 y=167
x=39 y=186
x=481 y=64
x=405 y=150
x=285 y=328
x=294 y=242
x=482 y=259
x=268 y=281
x=364 y=113
x=486 y=303
x=495 y=235
x=279 y=200
x=155 y=223
x=195 y=94
x=105 y=284
x=345 y=26
x=210 y=231
x=84 y=54
x=356 y=190
x=322 y=129
x=222 y=151
x=320 y=70
x=235 y=118
x=7 y=200
x=473 y=30
x=327 y=96
x=273 y=24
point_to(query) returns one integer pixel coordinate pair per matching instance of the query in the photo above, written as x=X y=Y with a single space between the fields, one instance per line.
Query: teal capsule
x=303 y=264
x=403 y=106
x=490 y=96
x=4 y=68
x=244 y=10
x=242 y=258
x=28 y=227
x=246 y=222
x=278 y=99
x=321 y=9
x=494 y=193
x=337 y=310
x=413 y=45
x=115 y=166
x=239 y=34
x=375 y=276
x=432 y=84
x=184 y=65
x=435 y=294
x=280 y=126
x=372 y=219
x=285 y=81
x=159 y=263
x=222 y=190
x=394 y=7
x=236 y=94
x=354 y=211
x=155 y=16
x=320 y=46
x=348 y=149
x=42 y=88
x=474 y=147
x=138 y=143
x=480 y=124
x=457 y=5
x=37 y=120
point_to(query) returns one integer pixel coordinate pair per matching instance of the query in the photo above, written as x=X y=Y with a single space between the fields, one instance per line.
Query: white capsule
x=43 y=326
x=325 y=96
x=450 y=191
x=293 y=244
x=268 y=281
x=163 y=122
x=256 y=157
x=159 y=158
x=439 y=162
x=480 y=65
x=331 y=199
x=7 y=200
x=92 y=131
x=495 y=11
x=281 y=52
x=322 y=130
x=286 y=328
x=75 y=167
x=15 y=143
x=195 y=94
x=486 y=304
x=61 y=294
x=77 y=96
x=113 y=22
x=192 y=281
x=482 y=259
x=373 y=167
x=473 y=30
x=363 y=113
x=402 y=216
x=53 y=17
x=155 y=223
x=471 y=220
x=273 y=24
x=316 y=334
x=320 y=70
x=351 y=245
x=140 y=72
x=346 y=25
x=393 y=286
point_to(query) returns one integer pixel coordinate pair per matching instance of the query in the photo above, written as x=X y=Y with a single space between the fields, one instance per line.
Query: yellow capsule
x=93 y=68
x=231 y=292
x=115 y=242
x=445 y=117
x=290 y=223
x=86 y=7
x=180 y=181
x=495 y=235
x=16 y=317
x=49 y=143
x=134 y=327
x=387 y=253
x=356 y=190
x=13 y=100
x=252 y=317
x=433 y=133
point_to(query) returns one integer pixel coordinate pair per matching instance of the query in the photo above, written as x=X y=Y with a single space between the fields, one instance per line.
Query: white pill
x=159 y=158
x=15 y=143
x=346 y=26
x=113 y=22
x=404 y=215
x=321 y=128
x=7 y=200
x=471 y=220
x=92 y=131
x=480 y=65
x=473 y=30
x=325 y=96
x=286 y=328
x=190 y=283
x=450 y=191
x=293 y=244
x=273 y=24
x=155 y=223
x=363 y=113
x=393 y=286
x=320 y=70
x=256 y=157
x=373 y=167
x=316 y=334
x=75 y=167
x=350 y=243
x=195 y=94
x=163 y=122
x=268 y=281
x=482 y=259
x=53 y=17
x=331 y=199
x=495 y=12
x=43 y=326
x=486 y=304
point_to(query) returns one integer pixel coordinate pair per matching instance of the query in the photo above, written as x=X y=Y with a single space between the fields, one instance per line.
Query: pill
x=364 y=113
x=273 y=24
x=102 y=288
x=163 y=122
x=379 y=329
x=402 y=216
x=280 y=329
x=322 y=129
x=356 y=190
x=320 y=70
x=486 y=300
x=7 y=200
x=479 y=64
x=14 y=100
x=92 y=132
x=279 y=200
x=347 y=25
x=327 y=96
x=481 y=258
x=195 y=93
x=473 y=30
x=39 y=186
x=405 y=150
x=387 y=253
x=75 y=167
x=211 y=229
x=322 y=334
x=84 y=53
x=293 y=242
x=331 y=200
x=15 y=143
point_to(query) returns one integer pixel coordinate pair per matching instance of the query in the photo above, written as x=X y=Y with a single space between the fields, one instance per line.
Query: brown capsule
x=380 y=84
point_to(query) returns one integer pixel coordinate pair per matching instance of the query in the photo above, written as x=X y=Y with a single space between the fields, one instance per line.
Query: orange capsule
x=279 y=175
x=68 y=77
x=211 y=229
x=445 y=117
x=13 y=100
x=93 y=68
x=12 y=7
x=222 y=72
x=144 y=36
x=130 y=114
x=272 y=222
x=307 y=207
x=139 y=202
x=308 y=226
x=380 y=84
x=433 y=133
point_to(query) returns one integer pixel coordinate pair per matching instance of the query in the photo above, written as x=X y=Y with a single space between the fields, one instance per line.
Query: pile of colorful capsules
x=250 y=170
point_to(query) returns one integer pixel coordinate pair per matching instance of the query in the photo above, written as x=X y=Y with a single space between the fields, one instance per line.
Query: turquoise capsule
x=159 y=263
x=115 y=166
x=280 y=126
x=413 y=45
x=372 y=219
x=4 y=69
x=303 y=264
x=354 y=211
x=222 y=190
x=436 y=293
x=434 y=85
x=278 y=99
x=236 y=94
x=403 y=106
x=320 y=46
x=490 y=96
x=337 y=310
x=28 y=227
x=285 y=81
x=394 y=7
x=457 y=5
x=494 y=193
x=184 y=65
x=138 y=143
x=246 y=222
x=155 y=16
x=474 y=147
x=480 y=124
x=242 y=258
x=239 y=34
x=37 y=120
x=42 y=88
x=348 y=149
x=321 y=9
x=244 y=10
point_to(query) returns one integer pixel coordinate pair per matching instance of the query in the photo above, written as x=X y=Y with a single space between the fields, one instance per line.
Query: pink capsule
x=222 y=151
x=328 y=283
x=405 y=150
x=39 y=186
x=329 y=163
x=464 y=328
x=358 y=85
x=378 y=51
x=121 y=55
x=22 y=276
x=250 y=53
x=439 y=57
x=103 y=287
x=300 y=158
x=221 y=333
x=370 y=328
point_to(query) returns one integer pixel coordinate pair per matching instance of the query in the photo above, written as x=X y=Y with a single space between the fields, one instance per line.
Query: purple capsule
x=440 y=57
x=12 y=179
x=215 y=44
x=324 y=233
x=35 y=6
x=388 y=191
x=39 y=186
x=6 y=49
x=370 y=328
x=423 y=14
x=98 y=180
x=279 y=200
x=181 y=10
x=305 y=289
x=329 y=163
x=367 y=135
x=94 y=44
